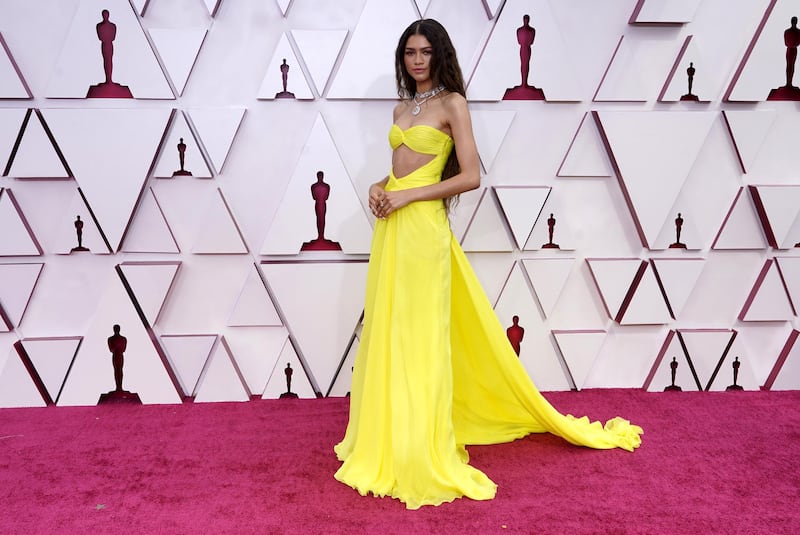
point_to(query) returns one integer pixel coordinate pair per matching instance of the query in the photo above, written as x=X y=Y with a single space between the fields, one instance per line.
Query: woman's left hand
x=391 y=201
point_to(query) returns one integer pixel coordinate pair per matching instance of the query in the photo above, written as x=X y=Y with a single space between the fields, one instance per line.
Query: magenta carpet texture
x=709 y=463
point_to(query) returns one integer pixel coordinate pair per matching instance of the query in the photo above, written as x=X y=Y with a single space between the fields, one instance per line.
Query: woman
x=434 y=369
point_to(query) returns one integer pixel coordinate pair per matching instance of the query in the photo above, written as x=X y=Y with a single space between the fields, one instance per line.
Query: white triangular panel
x=492 y=7
x=314 y=294
x=789 y=268
x=212 y=6
x=65 y=239
x=256 y=350
x=168 y=163
x=655 y=152
x=768 y=300
x=220 y=381
x=364 y=71
x=422 y=5
x=492 y=270
x=586 y=155
x=665 y=11
x=551 y=68
x=537 y=352
x=296 y=83
x=178 y=49
x=706 y=347
x=678 y=277
x=647 y=306
x=17 y=388
x=140 y=6
x=749 y=129
x=782 y=208
x=553 y=212
x=110 y=153
x=276 y=384
x=218 y=232
x=343 y=381
x=187 y=354
x=254 y=307
x=745 y=377
x=548 y=277
x=80 y=64
x=295 y=222
x=661 y=375
x=522 y=206
x=579 y=349
x=36 y=156
x=677 y=85
x=636 y=71
x=487 y=230
x=16 y=238
x=320 y=50
x=149 y=231
x=150 y=283
x=10 y=125
x=787 y=376
x=51 y=357
x=284 y=5
x=17 y=282
x=217 y=127
x=613 y=278
x=11 y=83
x=92 y=373
x=490 y=129
x=741 y=228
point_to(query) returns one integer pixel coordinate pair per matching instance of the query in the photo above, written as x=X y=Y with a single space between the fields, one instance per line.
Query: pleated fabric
x=434 y=369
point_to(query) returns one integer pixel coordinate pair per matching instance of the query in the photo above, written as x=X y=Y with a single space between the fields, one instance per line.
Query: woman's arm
x=458 y=119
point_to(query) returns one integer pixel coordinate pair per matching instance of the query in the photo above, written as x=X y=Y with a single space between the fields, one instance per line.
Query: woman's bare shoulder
x=399 y=109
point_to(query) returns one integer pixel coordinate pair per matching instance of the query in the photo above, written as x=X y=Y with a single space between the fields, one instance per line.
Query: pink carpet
x=709 y=463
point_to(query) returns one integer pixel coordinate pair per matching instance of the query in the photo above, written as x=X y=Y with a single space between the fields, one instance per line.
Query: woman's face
x=418 y=56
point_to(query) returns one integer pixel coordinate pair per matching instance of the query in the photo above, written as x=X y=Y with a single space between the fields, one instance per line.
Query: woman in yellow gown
x=434 y=369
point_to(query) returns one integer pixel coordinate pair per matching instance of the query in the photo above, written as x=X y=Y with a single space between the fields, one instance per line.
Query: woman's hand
x=376 y=195
x=387 y=202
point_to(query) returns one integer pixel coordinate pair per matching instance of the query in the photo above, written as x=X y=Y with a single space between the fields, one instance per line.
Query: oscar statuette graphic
x=678 y=224
x=735 y=364
x=79 y=231
x=673 y=367
x=106 y=33
x=791 y=38
x=288 y=371
x=320 y=191
x=690 y=72
x=526 y=34
x=182 y=158
x=117 y=344
x=551 y=226
x=285 y=79
x=515 y=334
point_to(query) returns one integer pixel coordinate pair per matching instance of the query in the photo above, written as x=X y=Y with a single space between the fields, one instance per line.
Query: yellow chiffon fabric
x=434 y=369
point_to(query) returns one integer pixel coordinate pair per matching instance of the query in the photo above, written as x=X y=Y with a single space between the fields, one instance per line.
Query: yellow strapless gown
x=434 y=369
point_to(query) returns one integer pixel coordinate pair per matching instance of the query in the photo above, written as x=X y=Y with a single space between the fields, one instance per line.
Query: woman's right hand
x=376 y=198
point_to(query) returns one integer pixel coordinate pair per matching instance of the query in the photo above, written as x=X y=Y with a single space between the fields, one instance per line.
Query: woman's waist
x=415 y=179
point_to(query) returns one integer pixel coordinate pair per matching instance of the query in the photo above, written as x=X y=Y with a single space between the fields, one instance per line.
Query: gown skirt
x=435 y=371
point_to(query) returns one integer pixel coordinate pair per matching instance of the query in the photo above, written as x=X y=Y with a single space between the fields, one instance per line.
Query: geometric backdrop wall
x=183 y=196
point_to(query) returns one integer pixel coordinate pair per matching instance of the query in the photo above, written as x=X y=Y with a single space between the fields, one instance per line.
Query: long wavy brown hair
x=444 y=71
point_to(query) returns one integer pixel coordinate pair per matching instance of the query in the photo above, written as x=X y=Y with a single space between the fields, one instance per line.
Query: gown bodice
x=423 y=139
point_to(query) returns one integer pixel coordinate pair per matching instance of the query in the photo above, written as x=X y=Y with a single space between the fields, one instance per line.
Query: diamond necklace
x=426 y=96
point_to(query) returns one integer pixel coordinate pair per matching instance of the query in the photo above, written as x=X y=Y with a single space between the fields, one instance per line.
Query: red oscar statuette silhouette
x=791 y=38
x=673 y=367
x=690 y=75
x=182 y=159
x=525 y=37
x=515 y=334
x=735 y=364
x=117 y=344
x=79 y=232
x=551 y=226
x=107 y=32
x=285 y=79
x=678 y=225
x=288 y=371
x=320 y=192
